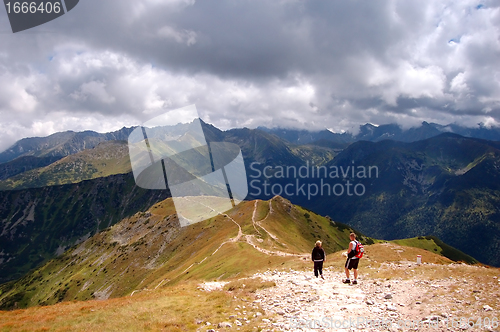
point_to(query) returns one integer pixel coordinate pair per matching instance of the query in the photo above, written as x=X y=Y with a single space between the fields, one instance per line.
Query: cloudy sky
x=303 y=64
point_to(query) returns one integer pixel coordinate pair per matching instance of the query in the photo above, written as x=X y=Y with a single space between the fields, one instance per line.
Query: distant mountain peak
x=61 y=144
x=374 y=133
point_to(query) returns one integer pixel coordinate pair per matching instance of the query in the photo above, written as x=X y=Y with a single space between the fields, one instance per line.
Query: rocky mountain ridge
x=61 y=144
x=373 y=133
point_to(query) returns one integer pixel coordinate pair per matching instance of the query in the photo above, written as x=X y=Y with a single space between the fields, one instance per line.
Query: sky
x=288 y=63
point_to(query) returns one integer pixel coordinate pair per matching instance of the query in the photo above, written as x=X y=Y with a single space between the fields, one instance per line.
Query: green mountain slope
x=314 y=154
x=435 y=245
x=149 y=249
x=37 y=224
x=259 y=146
x=447 y=186
x=107 y=158
x=24 y=164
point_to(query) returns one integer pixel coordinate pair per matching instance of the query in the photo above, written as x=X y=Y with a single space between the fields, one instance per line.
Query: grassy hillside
x=24 y=164
x=447 y=186
x=107 y=158
x=435 y=245
x=39 y=223
x=150 y=249
x=175 y=309
x=314 y=154
x=183 y=306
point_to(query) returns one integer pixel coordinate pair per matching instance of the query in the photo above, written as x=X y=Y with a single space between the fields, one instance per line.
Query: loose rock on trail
x=302 y=302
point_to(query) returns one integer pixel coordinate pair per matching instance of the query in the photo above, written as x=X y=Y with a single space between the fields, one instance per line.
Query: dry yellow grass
x=178 y=305
x=181 y=308
x=386 y=252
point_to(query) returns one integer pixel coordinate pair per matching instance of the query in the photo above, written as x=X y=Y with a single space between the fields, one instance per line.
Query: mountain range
x=150 y=249
x=61 y=190
x=61 y=144
x=447 y=186
x=370 y=132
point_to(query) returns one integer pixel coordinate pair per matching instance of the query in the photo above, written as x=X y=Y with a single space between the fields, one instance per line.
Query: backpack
x=360 y=250
x=318 y=254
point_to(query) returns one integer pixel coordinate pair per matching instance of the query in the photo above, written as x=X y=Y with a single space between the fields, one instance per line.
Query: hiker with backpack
x=354 y=253
x=318 y=257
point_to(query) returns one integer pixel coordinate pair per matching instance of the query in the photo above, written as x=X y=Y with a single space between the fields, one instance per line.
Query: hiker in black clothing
x=318 y=257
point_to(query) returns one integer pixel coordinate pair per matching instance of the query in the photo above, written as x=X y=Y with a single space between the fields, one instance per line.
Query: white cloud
x=251 y=63
x=459 y=84
x=16 y=95
x=415 y=82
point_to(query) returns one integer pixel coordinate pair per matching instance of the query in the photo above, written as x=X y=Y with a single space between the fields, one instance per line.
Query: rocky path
x=250 y=238
x=299 y=299
x=301 y=302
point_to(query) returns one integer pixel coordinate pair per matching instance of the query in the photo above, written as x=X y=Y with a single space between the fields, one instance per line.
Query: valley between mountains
x=150 y=249
x=249 y=270
x=62 y=189
x=83 y=248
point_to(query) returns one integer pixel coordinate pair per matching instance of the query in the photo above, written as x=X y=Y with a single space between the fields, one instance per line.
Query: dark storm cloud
x=304 y=64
